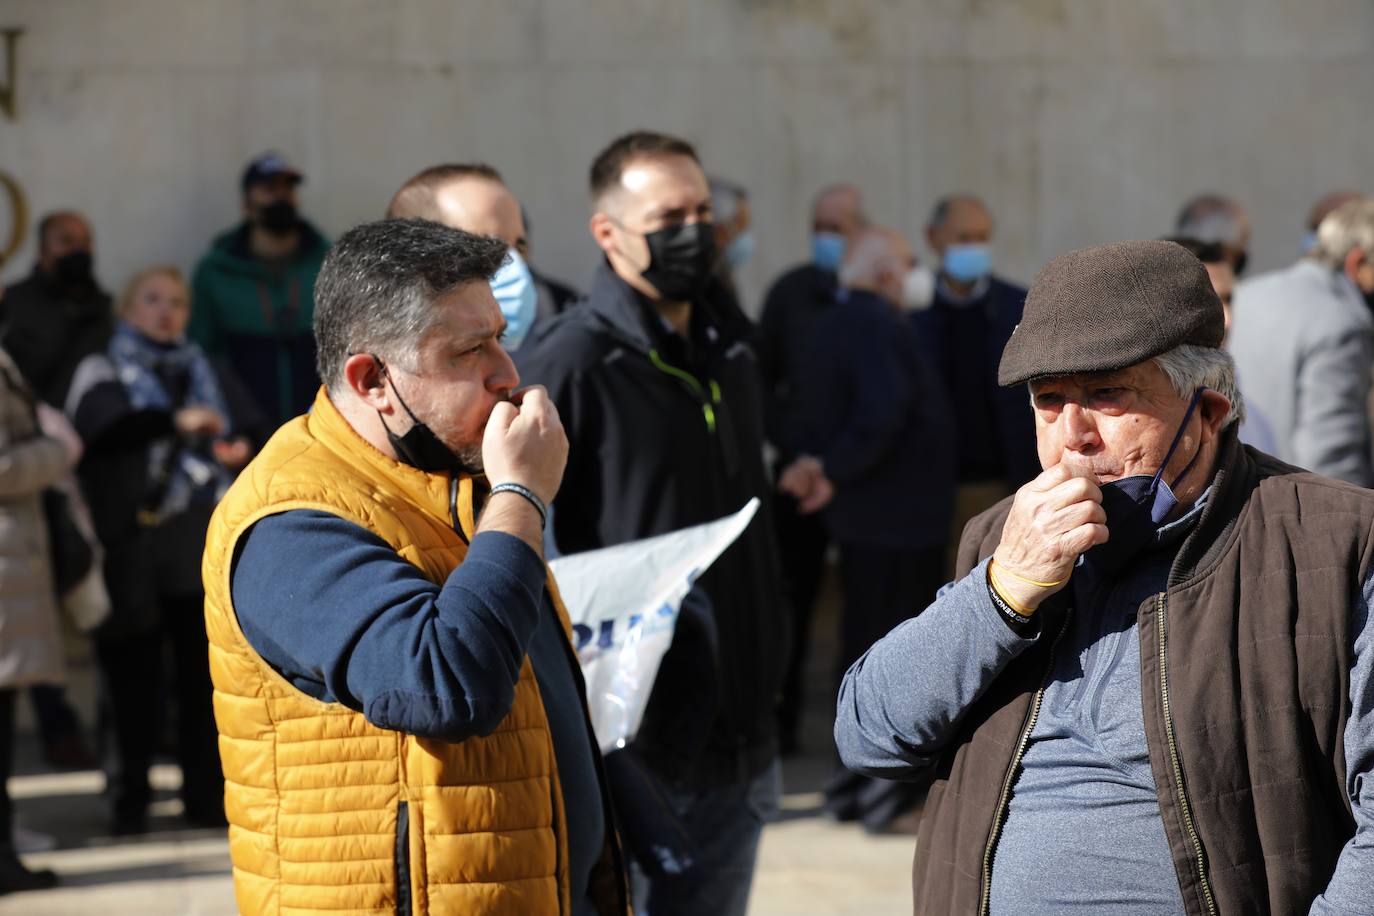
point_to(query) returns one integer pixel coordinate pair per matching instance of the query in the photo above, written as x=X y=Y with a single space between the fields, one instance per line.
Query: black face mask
x=1241 y=260
x=419 y=447
x=680 y=260
x=279 y=217
x=74 y=269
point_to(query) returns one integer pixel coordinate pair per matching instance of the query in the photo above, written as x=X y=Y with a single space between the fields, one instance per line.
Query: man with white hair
x=1148 y=692
x=875 y=430
x=1216 y=218
x=1303 y=341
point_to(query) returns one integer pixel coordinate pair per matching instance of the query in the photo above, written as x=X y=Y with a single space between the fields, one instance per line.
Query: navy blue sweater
x=873 y=410
x=337 y=612
x=995 y=425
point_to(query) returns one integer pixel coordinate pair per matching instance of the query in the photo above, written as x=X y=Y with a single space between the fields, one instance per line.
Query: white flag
x=624 y=602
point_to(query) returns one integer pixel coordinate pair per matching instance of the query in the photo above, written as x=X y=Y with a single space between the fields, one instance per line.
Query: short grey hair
x=1190 y=367
x=1348 y=227
x=939 y=214
x=375 y=291
x=1210 y=218
x=726 y=197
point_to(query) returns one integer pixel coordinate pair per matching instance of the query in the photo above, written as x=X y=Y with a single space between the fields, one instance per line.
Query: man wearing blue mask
x=794 y=304
x=473 y=197
x=1148 y=690
x=969 y=321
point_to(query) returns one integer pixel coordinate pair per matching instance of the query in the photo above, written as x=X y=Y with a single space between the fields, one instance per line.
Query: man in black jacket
x=662 y=403
x=59 y=315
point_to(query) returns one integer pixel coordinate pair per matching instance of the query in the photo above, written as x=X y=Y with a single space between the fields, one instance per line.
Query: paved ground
x=808 y=865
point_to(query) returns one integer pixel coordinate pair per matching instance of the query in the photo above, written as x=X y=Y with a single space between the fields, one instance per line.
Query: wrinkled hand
x=805 y=481
x=198 y=420
x=525 y=443
x=54 y=424
x=1054 y=518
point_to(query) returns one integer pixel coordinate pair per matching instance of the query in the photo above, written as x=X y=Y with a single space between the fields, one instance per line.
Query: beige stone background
x=1079 y=120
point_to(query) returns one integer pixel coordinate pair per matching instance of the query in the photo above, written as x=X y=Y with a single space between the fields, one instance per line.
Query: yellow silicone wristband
x=1002 y=593
x=1029 y=581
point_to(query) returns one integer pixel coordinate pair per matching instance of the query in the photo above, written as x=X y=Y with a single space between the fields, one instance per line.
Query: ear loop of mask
x=1178 y=437
x=396 y=391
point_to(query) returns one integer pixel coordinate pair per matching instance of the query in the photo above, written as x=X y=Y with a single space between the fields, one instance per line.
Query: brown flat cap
x=1105 y=308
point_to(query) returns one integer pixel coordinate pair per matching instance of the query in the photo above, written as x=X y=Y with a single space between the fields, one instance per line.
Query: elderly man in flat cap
x=1150 y=690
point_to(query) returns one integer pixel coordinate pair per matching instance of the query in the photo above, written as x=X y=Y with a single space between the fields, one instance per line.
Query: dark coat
x=793 y=305
x=664 y=436
x=872 y=408
x=48 y=331
x=966 y=342
x=142 y=562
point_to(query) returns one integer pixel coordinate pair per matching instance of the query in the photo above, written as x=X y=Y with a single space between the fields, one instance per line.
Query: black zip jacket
x=665 y=434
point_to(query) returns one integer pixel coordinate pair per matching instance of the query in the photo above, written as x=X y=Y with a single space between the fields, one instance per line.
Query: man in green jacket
x=254 y=291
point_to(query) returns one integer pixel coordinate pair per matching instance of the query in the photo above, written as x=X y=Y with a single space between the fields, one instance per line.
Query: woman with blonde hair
x=161 y=450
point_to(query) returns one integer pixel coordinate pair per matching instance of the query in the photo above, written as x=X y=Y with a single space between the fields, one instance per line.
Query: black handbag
x=72 y=554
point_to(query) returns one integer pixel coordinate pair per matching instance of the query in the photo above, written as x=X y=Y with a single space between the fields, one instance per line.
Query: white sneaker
x=28 y=841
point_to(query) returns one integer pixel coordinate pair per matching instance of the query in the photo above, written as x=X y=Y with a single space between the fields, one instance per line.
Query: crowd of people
x=318 y=483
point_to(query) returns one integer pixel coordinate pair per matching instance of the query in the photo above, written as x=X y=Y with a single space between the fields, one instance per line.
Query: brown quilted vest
x=1245 y=670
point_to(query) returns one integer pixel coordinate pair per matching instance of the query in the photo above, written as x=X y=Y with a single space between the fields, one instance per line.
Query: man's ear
x=603 y=231
x=1356 y=261
x=930 y=239
x=1213 y=409
x=363 y=377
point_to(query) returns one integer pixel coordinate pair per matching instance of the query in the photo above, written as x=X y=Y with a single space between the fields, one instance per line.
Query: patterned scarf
x=181 y=469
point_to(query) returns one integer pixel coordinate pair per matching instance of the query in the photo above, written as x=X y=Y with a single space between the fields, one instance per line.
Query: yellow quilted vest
x=327 y=812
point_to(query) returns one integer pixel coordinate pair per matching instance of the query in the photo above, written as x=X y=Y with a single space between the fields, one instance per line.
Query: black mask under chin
x=419 y=447
x=680 y=260
x=279 y=218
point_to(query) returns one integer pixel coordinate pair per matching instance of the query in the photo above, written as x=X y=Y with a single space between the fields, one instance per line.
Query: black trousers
x=882 y=587
x=802 y=542
x=137 y=690
x=6 y=767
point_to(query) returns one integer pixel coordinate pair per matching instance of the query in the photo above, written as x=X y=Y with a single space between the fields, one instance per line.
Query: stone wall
x=1078 y=120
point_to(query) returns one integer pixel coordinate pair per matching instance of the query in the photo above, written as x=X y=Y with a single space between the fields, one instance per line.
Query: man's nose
x=1080 y=427
x=505 y=376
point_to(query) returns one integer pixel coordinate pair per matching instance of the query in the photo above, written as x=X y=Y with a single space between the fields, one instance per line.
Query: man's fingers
x=1084 y=512
x=1073 y=490
x=1083 y=538
x=530 y=396
x=1049 y=478
x=502 y=416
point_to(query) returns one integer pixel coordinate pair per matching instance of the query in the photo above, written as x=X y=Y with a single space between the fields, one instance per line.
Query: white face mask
x=918 y=288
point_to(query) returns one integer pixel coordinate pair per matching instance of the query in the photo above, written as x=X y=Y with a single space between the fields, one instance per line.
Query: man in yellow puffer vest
x=402 y=718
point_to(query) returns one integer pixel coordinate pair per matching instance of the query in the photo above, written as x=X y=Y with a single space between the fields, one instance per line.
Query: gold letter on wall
x=19 y=217
x=8 y=93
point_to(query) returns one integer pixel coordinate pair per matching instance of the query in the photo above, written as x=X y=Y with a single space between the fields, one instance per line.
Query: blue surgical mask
x=967 y=263
x=740 y=249
x=1309 y=241
x=827 y=250
x=513 y=287
x=1136 y=507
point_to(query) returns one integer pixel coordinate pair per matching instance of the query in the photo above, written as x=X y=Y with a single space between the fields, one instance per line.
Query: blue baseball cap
x=268 y=166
